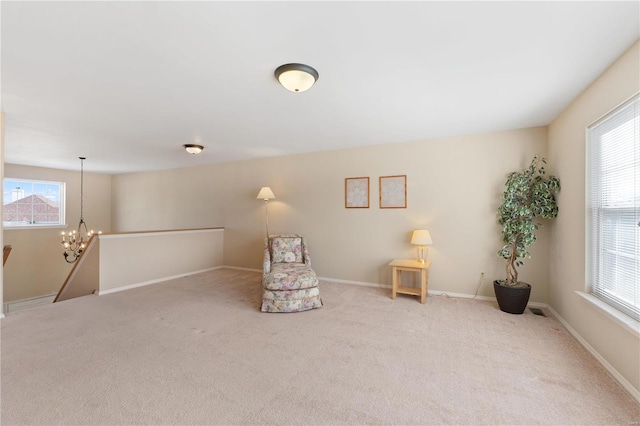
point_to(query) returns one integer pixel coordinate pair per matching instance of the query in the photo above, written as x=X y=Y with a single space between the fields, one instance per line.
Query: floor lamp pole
x=266 y=194
x=266 y=215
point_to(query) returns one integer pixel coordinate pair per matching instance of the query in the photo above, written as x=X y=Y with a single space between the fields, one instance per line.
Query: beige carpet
x=197 y=351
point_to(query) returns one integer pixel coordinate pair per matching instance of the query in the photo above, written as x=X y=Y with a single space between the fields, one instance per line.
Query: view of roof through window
x=32 y=203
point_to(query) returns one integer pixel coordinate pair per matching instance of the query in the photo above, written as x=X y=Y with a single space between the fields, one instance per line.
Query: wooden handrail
x=75 y=265
x=5 y=254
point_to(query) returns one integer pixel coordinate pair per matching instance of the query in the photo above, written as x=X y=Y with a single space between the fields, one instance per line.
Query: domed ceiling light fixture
x=192 y=148
x=296 y=77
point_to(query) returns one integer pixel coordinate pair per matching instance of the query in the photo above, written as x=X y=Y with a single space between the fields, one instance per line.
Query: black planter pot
x=512 y=300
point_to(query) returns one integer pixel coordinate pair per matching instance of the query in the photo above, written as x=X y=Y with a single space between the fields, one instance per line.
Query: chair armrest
x=305 y=253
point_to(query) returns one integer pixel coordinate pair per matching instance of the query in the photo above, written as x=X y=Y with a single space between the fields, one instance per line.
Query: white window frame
x=61 y=223
x=606 y=248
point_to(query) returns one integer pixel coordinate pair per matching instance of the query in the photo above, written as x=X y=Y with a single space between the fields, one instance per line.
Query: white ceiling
x=126 y=84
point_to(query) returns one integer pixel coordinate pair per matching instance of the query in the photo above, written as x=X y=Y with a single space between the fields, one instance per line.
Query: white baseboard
x=239 y=268
x=378 y=285
x=432 y=292
x=361 y=283
x=616 y=375
x=156 y=281
x=18 y=305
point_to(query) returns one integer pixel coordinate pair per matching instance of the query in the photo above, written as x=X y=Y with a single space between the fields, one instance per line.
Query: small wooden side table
x=410 y=265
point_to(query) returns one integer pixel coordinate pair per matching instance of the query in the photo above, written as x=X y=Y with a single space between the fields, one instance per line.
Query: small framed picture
x=356 y=193
x=393 y=192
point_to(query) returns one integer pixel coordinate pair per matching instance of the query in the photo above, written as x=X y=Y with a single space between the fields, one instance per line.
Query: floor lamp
x=266 y=194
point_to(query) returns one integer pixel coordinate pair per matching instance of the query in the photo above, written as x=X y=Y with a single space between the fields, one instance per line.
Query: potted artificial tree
x=528 y=195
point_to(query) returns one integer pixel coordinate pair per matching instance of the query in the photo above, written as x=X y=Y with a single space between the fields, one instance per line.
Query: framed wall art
x=356 y=193
x=393 y=192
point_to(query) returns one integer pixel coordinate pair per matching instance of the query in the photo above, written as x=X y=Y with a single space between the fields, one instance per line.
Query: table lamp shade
x=421 y=237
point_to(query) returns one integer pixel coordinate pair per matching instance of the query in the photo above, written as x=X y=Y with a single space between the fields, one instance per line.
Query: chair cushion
x=286 y=250
x=290 y=276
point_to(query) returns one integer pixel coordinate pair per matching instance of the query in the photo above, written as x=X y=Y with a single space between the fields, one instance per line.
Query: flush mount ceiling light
x=193 y=149
x=296 y=77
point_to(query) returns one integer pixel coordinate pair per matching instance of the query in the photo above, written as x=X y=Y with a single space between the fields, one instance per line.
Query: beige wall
x=36 y=266
x=453 y=185
x=169 y=199
x=619 y=346
x=159 y=255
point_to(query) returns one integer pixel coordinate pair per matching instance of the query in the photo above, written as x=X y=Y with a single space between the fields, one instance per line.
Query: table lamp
x=421 y=238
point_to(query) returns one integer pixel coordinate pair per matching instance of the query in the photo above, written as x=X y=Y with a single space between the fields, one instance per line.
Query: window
x=613 y=197
x=33 y=203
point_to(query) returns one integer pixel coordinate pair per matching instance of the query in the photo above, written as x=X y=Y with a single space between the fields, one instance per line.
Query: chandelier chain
x=81 y=188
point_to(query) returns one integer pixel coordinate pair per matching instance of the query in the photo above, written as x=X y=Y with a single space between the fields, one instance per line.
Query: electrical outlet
x=481 y=274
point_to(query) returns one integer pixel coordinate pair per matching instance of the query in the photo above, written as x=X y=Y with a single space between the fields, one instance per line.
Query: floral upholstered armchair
x=288 y=282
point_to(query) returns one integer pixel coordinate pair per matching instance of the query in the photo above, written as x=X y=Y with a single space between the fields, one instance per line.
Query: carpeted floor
x=196 y=350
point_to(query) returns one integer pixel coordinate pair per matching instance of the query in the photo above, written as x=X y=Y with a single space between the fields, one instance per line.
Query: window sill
x=612 y=313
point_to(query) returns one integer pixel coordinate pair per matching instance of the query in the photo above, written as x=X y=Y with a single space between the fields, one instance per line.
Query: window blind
x=613 y=197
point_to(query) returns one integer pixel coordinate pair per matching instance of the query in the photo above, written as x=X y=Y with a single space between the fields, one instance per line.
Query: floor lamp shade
x=265 y=194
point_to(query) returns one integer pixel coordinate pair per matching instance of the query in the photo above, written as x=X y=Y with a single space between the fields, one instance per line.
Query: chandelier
x=75 y=242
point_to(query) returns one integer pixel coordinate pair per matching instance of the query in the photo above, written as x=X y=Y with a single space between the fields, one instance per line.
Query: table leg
x=394 y=282
x=423 y=285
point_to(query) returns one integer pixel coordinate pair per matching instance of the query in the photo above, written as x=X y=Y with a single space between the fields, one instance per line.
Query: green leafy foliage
x=528 y=194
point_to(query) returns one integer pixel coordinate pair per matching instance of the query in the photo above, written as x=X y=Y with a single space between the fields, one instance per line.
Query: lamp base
x=421 y=252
